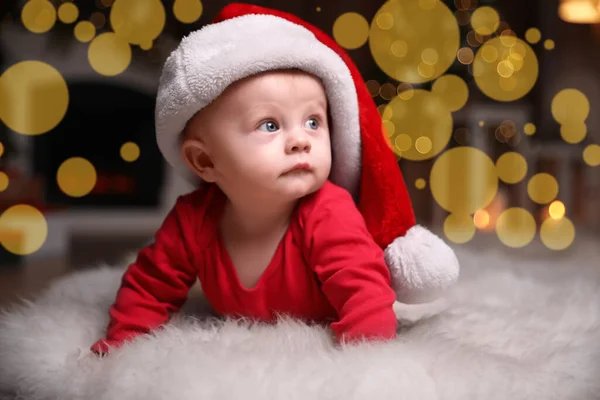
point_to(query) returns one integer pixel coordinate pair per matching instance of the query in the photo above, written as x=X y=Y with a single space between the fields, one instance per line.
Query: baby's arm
x=353 y=272
x=155 y=285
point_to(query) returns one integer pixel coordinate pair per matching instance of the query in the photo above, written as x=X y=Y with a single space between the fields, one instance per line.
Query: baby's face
x=267 y=137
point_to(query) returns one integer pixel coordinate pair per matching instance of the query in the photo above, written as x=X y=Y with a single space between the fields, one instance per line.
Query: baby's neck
x=247 y=220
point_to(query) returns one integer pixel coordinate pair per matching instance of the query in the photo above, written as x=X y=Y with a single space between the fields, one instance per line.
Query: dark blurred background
x=129 y=199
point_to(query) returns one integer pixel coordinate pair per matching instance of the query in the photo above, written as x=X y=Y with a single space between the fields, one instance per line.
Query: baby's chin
x=295 y=189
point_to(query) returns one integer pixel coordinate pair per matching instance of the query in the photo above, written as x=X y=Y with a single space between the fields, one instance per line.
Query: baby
x=269 y=126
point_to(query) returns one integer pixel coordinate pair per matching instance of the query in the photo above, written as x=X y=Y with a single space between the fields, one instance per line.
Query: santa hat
x=245 y=40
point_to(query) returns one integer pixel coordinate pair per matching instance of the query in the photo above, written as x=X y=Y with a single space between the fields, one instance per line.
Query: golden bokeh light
x=485 y=20
x=533 y=35
x=137 y=21
x=130 y=152
x=505 y=69
x=459 y=228
x=405 y=91
x=422 y=114
x=4 y=181
x=387 y=91
x=318 y=9
x=573 y=132
x=414 y=41
x=511 y=167
x=351 y=30
x=109 y=54
x=557 y=209
x=481 y=219
x=515 y=227
x=68 y=13
x=84 y=31
x=465 y=55
x=452 y=90
x=542 y=188
x=38 y=16
x=373 y=87
x=189 y=11
x=76 y=177
x=463 y=180
x=1 y=149
x=570 y=106
x=420 y=183
x=389 y=128
x=529 y=129
x=98 y=19
x=23 y=229
x=34 y=97
x=557 y=234
x=591 y=155
x=549 y=44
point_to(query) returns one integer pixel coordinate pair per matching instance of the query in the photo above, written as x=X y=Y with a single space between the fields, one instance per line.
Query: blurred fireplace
x=100 y=119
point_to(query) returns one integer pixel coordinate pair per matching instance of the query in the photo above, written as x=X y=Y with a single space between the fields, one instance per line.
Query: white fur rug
x=516 y=328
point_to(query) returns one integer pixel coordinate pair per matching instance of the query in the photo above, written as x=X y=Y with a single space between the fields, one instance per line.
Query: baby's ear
x=196 y=156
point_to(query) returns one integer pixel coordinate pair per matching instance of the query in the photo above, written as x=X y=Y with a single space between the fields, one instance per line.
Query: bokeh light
x=463 y=180
x=130 y=152
x=557 y=234
x=38 y=16
x=76 y=177
x=23 y=229
x=573 y=132
x=414 y=41
x=109 y=54
x=591 y=155
x=481 y=219
x=32 y=88
x=549 y=44
x=188 y=11
x=511 y=167
x=465 y=55
x=533 y=35
x=505 y=68
x=452 y=90
x=515 y=227
x=570 y=106
x=387 y=91
x=351 y=30
x=98 y=19
x=557 y=209
x=4 y=181
x=84 y=31
x=529 y=129
x=542 y=188
x=68 y=13
x=373 y=87
x=422 y=115
x=459 y=228
x=420 y=183
x=405 y=91
x=1 y=149
x=485 y=20
x=137 y=21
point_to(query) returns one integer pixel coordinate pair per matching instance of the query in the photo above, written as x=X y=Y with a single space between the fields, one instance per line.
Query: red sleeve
x=352 y=269
x=155 y=285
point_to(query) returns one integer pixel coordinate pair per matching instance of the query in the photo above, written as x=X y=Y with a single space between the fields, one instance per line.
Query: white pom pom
x=422 y=265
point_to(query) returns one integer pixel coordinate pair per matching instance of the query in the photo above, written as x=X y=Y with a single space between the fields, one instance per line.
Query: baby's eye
x=268 y=126
x=312 y=123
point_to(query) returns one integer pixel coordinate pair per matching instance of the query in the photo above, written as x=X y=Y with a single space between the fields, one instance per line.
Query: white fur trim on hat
x=422 y=265
x=210 y=59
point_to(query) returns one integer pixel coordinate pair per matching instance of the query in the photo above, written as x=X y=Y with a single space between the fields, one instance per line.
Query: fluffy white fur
x=208 y=60
x=515 y=329
x=422 y=265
